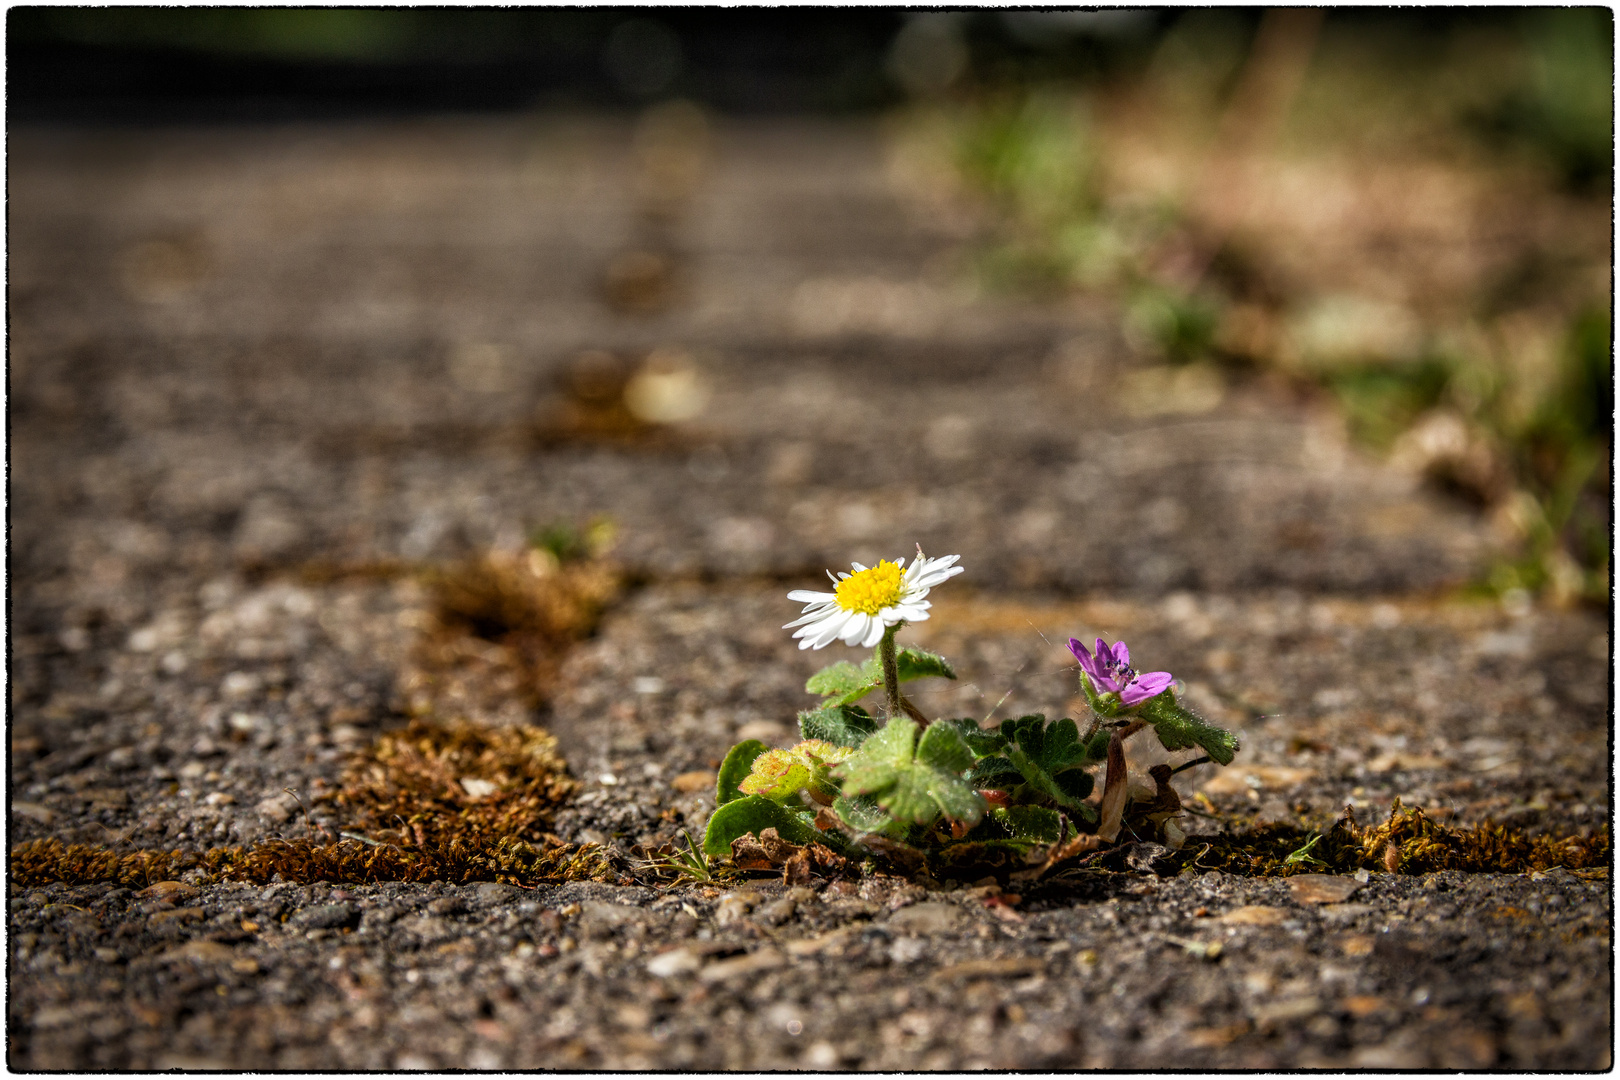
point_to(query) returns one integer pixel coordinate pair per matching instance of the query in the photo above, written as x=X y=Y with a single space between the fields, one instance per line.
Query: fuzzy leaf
x=782 y=774
x=916 y=664
x=739 y=762
x=1179 y=728
x=908 y=787
x=983 y=743
x=841 y=725
x=754 y=814
x=1041 y=752
x=1029 y=823
x=994 y=772
x=844 y=684
x=842 y=680
x=866 y=816
x=943 y=747
x=776 y=774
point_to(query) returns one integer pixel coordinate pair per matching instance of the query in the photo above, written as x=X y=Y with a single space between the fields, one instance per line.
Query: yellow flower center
x=871 y=590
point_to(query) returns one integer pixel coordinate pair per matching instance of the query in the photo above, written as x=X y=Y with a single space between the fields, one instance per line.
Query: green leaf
x=1042 y=752
x=1063 y=749
x=1179 y=729
x=754 y=814
x=841 y=680
x=1076 y=783
x=994 y=772
x=841 y=725
x=983 y=743
x=1029 y=823
x=943 y=747
x=912 y=789
x=844 y=684
x=739 y=762
x=915 y=664
x=778 y=775
x=866 y=816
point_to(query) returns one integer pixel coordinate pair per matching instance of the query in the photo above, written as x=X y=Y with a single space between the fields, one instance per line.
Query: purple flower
x=1111 y=673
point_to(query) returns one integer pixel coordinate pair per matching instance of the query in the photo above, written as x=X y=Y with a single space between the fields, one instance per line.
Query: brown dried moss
x=499 y=628
x=415 y=807
x=1408 y=842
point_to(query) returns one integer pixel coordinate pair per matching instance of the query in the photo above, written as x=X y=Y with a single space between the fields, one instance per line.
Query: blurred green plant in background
x=1490 y=376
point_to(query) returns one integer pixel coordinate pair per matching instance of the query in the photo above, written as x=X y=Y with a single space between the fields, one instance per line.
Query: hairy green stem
x=891 y=671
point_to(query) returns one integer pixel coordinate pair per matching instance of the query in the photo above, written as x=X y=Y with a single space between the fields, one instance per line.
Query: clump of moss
x=305 y=861
x=427 y=803
x=500 y=625
x=1407 y=842
x=431 y=786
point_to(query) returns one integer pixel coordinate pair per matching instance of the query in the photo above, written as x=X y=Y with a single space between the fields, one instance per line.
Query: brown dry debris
x=799 y=863
x=428 y=803
x=499 y=628
x=1407 y=842
x=430 y=785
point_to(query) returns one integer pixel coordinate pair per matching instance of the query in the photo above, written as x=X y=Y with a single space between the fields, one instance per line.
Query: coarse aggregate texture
x=271 y=388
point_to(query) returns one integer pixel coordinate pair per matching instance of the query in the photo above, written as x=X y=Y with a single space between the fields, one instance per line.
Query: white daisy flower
x=866 y=603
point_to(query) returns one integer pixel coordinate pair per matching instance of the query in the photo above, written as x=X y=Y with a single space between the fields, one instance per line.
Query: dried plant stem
x=1112 y=808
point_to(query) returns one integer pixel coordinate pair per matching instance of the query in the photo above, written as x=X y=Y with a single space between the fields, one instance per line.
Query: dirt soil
x=266 y=383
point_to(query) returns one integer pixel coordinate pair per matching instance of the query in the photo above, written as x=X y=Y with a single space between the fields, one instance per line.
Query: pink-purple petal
x=1151 y=684
x=1090 y=666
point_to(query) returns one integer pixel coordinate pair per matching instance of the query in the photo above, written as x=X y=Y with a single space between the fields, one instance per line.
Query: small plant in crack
x=688 y=864
x=947 y=797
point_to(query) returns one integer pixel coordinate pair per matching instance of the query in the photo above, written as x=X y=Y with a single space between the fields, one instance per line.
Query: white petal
x=874 y=635
x=857 y=566
x=806 y=596
x=936 y=574
x=856 y=628
x=813 y=613
x=819 y=624
x=910 y=612
x=828 y=632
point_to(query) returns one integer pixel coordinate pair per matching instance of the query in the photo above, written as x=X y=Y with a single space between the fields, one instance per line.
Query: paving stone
x=243 y=357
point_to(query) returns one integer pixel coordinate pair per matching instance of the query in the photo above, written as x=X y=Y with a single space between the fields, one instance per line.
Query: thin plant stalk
x=891 y=670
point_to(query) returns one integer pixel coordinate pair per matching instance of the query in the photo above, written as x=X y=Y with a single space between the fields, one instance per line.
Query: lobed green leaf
x=916 y=664
x=912 y=786
x=983 y=743
x=1179 y=729
x=943 y=747
x=994 y=772
x=841 y=725
x=844 y=683
x=841 y=680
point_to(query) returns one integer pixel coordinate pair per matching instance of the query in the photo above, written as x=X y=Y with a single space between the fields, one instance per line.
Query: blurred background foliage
x=1404 y=212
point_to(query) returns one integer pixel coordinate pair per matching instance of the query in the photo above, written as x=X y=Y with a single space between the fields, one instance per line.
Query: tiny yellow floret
x=871 y=590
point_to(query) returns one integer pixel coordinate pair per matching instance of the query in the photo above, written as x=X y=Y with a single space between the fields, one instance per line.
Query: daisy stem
x=891 y=670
